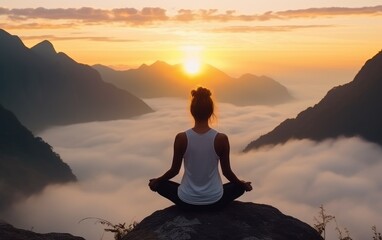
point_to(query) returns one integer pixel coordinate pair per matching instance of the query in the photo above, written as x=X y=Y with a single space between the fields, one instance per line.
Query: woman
x=202 y=148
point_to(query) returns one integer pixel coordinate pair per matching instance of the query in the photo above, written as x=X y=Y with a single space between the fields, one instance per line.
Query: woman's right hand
x=247 y=186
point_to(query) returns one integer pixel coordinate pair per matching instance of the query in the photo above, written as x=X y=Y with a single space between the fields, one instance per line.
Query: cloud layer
x=99 y=39
x=278 y=28
x=149 y=15
x=114 y=160
x=88 y=14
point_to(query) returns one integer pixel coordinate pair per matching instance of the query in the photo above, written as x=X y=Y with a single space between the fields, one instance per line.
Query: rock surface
x=241 y=221
x=8 y=232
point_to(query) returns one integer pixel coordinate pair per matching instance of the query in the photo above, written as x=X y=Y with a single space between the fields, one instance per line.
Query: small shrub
x=322 y=221
x=376 y=235
x=342 y=235
x=120 y=230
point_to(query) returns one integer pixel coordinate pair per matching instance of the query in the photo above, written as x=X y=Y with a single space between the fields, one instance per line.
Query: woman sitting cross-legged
x=202 y=148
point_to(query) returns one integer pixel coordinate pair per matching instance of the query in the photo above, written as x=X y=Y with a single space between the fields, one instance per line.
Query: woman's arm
x=180 y=145
x=222 y=148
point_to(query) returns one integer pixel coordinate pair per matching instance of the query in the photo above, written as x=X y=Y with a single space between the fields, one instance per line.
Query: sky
x=309 y=46
x=114 y=160
x=282 y=39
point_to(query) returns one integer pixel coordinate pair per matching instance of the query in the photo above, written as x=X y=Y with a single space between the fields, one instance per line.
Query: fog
x=114 y=161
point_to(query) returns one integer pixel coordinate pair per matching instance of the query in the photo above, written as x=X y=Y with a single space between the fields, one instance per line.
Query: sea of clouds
x=114 y=160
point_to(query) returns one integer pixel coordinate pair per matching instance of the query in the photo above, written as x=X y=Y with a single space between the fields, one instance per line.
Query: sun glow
x=192 y=62
x=192 y=66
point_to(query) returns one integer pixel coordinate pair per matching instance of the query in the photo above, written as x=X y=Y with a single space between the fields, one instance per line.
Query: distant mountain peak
x=65 y=58
x=156 y=65
x=45 y=88
x=161 y=79
x=369 y=74
x=143 y=66
x=3 y=32
x=160 y=64
x=44 y=48
x=248 y=76
x=9 y=39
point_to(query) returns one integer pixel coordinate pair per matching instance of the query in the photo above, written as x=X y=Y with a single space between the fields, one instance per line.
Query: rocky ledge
x=241 y=221
x=8 y=232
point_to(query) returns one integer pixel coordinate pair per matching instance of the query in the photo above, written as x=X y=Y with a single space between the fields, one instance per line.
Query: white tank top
x=201 y=183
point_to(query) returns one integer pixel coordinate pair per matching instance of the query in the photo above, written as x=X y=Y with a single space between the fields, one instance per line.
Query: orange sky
x=271 y=39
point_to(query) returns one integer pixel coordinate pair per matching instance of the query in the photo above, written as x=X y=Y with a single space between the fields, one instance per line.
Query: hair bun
x=201 y=92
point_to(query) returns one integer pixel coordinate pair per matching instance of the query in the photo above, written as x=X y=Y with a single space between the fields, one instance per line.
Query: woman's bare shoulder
x=181 y=138
x=221 y=137
x=181 y=135
x=221 y=143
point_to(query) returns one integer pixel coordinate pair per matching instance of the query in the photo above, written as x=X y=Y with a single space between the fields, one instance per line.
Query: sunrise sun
x=192 y=61
x=192 y=66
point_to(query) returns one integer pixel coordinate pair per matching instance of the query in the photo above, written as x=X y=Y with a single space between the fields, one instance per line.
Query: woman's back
x=201 y=182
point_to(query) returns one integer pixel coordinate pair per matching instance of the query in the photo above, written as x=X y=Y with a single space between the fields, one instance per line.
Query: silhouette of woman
x=202 y=148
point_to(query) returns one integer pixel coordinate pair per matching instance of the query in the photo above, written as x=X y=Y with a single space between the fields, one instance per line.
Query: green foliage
x=120 y=230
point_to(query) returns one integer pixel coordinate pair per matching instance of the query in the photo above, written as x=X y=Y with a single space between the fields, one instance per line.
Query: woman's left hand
x=153 y=184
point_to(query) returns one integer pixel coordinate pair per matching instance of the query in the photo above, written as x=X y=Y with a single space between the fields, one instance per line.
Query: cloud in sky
x=88 y=14
x=38 y=26
x=280 y=28
x=149 y=15
x=114 y=160
x=331 y=11
x=97 y=39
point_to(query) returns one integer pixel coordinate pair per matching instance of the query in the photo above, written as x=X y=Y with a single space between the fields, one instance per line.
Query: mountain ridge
x=44 y=48
x=27 y=163
x=161 y=79
x=9 y=232
x=348 y=110
x=44 y=88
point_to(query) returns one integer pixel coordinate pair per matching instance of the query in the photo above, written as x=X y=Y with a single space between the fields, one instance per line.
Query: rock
x=241 y=221
x=8 y=232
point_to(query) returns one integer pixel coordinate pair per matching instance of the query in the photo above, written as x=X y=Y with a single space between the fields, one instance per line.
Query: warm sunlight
x=115 y=80
x=192 y=59
x=192 y=66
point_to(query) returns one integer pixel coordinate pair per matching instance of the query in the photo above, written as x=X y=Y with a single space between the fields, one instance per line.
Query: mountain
x=237 y=221
x=27 y=163
x=44 y=88
x=8 y=232
x=353 y=109
x=164 y=80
